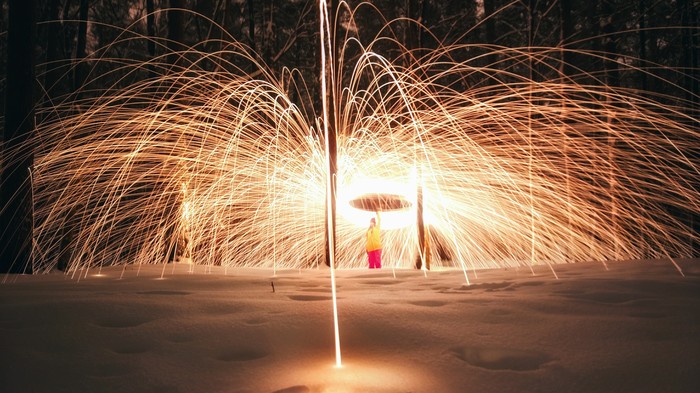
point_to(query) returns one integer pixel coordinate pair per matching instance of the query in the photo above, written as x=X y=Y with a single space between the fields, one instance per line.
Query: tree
x=269 y=43
x=54 y=53
x=176 y=28
x=490 y=24
x=608 y=28
x=690 y=63
x=611 y=73
x=490 y=35
x=565 y=34
x=689 y=38
x=251 y=30
x=643 y=43
x=332 y=141
x=151 y=32
x=3 y=50
x=414 y=11
x=17 y=155
x=565 y=73
x=81 y=52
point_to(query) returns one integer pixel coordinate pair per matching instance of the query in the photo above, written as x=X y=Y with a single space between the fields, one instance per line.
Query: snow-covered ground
x=634 y=327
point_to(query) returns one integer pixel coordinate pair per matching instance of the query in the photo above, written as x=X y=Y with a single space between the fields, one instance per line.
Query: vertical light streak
x=330 y=181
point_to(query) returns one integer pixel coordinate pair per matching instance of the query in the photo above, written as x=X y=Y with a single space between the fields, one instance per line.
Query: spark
x=224 y=168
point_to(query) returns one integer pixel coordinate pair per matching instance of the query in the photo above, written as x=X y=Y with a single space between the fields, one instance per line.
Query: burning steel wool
x=224 y=168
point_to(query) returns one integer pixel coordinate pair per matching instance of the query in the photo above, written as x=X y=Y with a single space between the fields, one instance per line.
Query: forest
x=56 y=55
x=630 y=38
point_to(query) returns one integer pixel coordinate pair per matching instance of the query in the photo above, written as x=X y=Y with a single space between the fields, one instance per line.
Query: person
x=374 y=243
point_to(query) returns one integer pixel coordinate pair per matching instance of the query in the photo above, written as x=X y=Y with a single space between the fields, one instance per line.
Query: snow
x=628 y=327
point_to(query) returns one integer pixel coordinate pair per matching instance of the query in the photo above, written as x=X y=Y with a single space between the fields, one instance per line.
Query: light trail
x=326 y=75
x=225 y=168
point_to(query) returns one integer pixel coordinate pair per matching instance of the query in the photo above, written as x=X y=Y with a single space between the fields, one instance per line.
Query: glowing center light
x=398 y=209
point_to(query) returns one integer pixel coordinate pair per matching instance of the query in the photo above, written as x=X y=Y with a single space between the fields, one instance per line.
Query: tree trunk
x=268 y=38
x=566 y=72
x=491 y=59
x=17 y=151
x=54 y=54
x=175 y=46
x=176 y=32
x=80 y=53
x=530 y=42
x=411 y=40
x=53 y=88
x=565 y=33
x=332 y=135
x=689 y=60
x=608 y=26
x=414 y=12
x=490 y=24
x=420 y=223
x=689 y=63
x=251 y=31
x=610 y=67
x=643 y=45
x=151 y=31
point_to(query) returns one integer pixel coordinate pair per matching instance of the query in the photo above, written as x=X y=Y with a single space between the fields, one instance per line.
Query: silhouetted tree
x=251 y=29
x=642 y=42
x=80 y=53
x=54 y=52
x=17 y=155
x=332 y=141
x=151 y=32
x=176 y=28
x=689 y=61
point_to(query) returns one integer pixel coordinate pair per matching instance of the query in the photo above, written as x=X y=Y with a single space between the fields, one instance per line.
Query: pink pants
x=375 y=259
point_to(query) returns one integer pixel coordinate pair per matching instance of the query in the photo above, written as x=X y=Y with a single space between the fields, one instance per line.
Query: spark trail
x=224 y=168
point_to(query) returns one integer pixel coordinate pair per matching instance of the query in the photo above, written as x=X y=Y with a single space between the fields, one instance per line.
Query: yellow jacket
x=374 y=242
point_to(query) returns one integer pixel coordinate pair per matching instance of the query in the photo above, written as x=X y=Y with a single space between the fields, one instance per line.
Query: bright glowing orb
x=396 y=201
x=380 y=202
